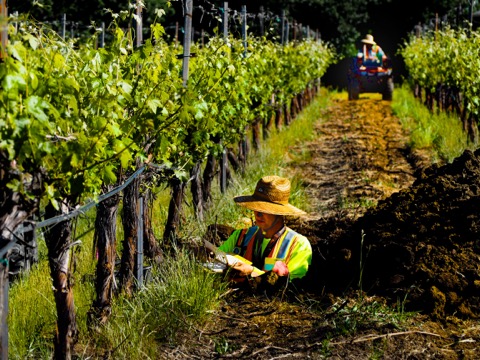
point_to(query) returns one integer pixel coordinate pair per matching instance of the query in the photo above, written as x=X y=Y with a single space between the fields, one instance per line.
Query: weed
x=222 y=346
x=325 y=348
x=360 y=312
x=378 y=350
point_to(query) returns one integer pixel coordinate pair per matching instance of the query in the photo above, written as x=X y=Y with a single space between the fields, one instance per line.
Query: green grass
x=176 y=301
x=440 y=134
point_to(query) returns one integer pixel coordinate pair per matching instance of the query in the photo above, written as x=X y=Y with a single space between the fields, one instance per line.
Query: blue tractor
x=370 y=79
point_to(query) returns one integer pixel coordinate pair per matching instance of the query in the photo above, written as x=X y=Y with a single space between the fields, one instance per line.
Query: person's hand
x=280 y=268
x=242 y=268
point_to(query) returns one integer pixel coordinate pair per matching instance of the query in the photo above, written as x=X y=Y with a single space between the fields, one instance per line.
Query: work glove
x=280 y=268
x=242 y=268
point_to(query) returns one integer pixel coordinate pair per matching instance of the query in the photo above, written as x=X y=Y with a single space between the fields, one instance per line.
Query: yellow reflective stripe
x=279 y=243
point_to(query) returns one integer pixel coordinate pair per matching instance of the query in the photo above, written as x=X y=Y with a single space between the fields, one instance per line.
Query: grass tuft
x=176 y=301
x=442 y=134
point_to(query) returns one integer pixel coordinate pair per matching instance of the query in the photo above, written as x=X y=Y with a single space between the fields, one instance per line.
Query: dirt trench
x=385 y=228
x=420 y=242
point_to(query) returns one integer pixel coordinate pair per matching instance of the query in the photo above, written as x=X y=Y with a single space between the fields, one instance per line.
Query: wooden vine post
x=243 y=148
x=256 y=128
x=225 y=20
x=223 y=161
x=130 y=222
x=139 y=23
x=4 y=285
x=64 y=26
x=244 y=29
x=187 y=40
x=178 y=186
x=261 y=22
x=3 y=28
x=287 y=31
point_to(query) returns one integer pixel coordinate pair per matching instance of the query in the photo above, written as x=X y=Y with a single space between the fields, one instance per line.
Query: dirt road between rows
x=390 y=235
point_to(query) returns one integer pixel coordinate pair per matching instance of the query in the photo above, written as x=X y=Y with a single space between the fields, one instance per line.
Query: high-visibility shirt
x=373 y=56
x=291 y=248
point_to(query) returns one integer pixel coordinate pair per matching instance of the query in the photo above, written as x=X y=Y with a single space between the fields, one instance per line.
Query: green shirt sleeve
x=230 y=243
x=300 y=259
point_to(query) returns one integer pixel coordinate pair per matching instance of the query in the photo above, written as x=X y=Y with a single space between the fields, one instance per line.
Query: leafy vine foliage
x=445 y=66
x=81 y=113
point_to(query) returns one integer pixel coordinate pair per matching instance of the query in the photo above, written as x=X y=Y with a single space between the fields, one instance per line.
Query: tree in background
x=341 y=23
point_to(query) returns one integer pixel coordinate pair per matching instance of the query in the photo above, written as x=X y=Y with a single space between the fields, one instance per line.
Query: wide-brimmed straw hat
x=271 y=197
x=368 y=40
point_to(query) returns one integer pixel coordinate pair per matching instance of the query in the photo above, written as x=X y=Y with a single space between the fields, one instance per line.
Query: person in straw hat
x=371 y=54
x=270 y=246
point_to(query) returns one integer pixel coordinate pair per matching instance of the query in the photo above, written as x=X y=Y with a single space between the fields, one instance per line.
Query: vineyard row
x=76 y=121
x=444 y=68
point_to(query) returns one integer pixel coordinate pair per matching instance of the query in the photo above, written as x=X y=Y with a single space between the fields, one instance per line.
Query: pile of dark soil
x=420 y=245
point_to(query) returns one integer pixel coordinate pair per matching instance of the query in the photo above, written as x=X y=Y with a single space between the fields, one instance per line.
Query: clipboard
x=227 y=259
x=223 y=257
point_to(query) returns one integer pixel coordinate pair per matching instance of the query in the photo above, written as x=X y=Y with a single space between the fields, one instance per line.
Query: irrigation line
x=83 y=209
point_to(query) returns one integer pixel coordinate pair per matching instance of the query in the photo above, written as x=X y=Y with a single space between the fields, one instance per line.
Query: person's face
x=264 y=221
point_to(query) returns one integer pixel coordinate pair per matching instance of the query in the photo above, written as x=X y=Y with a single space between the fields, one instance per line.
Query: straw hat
x=368 y=40
x=270 y=197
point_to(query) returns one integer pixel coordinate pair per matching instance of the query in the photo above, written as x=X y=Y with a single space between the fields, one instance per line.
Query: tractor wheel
x=388 y=91
x=353 y=90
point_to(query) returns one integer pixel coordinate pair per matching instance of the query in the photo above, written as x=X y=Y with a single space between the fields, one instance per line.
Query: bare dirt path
x=359 y=159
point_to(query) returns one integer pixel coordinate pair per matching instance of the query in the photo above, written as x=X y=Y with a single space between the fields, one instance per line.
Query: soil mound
x=420 y=245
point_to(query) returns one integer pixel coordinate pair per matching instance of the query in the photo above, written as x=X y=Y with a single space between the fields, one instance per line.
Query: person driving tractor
x=371 y=54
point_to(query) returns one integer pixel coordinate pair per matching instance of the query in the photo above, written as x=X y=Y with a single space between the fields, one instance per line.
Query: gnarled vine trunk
x=15 y=209
x=59 y=242
x=208 y=176
x=105 y=239
x=174 y=210
x=130 y=235
x=279 y=117
x=256 y=137
x=151 y=247
x=196 y=189
x=288 y=118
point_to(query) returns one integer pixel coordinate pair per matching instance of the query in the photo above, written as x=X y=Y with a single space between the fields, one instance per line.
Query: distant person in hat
x=371 y=54
x=270 y=246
